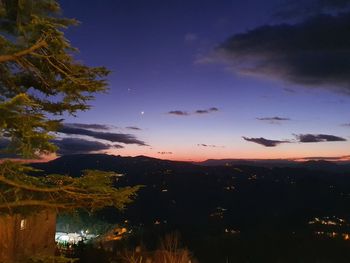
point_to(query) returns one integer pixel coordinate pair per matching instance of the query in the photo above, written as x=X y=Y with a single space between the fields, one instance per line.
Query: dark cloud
x=273 y=120
x=185 y=113
x=209 y=145
x=345 y=124
x=302 y=138
x=201 y=111
x=88 y=126
x=66 y=146
x=133 y=128
x=108 y=136
x=178 y=113
x=265 y=142
x=213 y=109
x=118 y=146
x=306 y=138
x=315 y=52
x=77 y=145
x=165 y=153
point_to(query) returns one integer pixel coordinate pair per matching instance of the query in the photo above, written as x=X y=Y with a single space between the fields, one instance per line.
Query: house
x=22 y=236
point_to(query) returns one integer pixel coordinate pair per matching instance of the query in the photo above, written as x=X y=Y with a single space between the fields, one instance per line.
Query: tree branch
x=30 y=187
x=34 y=203
x=41 y=43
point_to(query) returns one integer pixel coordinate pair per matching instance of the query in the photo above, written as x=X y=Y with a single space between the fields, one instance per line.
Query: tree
x=40 y=82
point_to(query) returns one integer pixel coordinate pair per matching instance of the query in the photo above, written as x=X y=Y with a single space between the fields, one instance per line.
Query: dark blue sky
x=170 y=68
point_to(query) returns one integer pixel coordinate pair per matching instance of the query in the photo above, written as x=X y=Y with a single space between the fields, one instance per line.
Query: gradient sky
x=164 y=58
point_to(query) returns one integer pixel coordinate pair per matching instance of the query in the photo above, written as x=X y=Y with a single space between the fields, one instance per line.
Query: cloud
x=185 y=113
x=88 y=126
x=210 y=110
x=315 y=52
x=202 y=111
x=108 y=136
x=265 y=142
x=66 y=146
x=77 y=145
x=133 y=128
x=306 y=138
x=301 y=138
x=273 y=120
x=209 y=145
x=165 y=153
x=345 y=125
x=178 y=113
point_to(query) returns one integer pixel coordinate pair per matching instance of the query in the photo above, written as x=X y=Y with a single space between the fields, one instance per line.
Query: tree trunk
x=22 y=237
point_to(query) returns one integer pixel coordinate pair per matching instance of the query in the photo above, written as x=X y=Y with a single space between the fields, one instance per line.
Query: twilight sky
x=199 y=79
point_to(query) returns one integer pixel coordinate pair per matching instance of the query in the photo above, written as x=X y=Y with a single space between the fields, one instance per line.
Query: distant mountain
x=258 y=162
x=274 y=163
x=74 y=164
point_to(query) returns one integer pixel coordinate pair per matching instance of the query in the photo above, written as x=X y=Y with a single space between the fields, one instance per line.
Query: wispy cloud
x=206 y=111
x=200 y=111
x=265 y=142
x=178 y=113
x=273 y=120
x=133 y=128
x=209 y=145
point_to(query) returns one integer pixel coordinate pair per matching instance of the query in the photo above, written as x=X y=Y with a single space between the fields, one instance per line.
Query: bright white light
x=64 y=238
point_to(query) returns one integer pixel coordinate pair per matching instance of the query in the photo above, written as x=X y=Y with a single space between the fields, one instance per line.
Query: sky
x=198 y=79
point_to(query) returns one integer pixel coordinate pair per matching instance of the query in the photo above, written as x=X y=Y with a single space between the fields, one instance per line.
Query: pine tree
x=40 y=81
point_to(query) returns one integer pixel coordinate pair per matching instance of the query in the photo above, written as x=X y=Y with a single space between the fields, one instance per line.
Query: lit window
x=23 y=224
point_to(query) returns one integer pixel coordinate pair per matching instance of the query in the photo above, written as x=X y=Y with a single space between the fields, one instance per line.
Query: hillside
x=243 y=204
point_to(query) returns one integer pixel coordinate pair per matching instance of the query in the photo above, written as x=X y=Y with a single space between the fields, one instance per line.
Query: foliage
x=39 y=75
x=40 y=80
x=91 y=191
x=170 y=251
